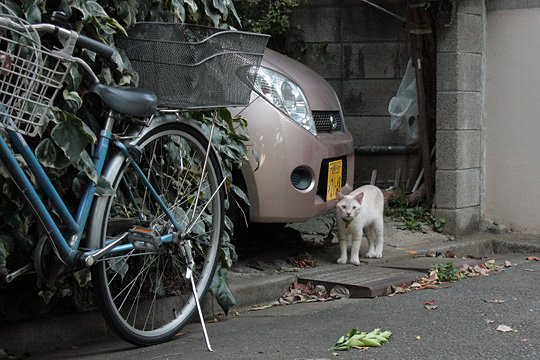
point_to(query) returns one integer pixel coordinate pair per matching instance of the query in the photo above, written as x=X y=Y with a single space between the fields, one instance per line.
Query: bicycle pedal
x=144 y=238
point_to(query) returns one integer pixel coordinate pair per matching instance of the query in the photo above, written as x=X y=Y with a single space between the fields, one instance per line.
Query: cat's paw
x=342 y=260
x=373 y=255
x=355 y=261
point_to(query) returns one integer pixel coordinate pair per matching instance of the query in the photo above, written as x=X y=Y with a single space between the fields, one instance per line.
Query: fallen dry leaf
x=430 y=306
x=340 y=291
x=533 y=258
x=417 y=337
x=490 y=321
x=504 y=328
x=495 y=301
x=507 y=264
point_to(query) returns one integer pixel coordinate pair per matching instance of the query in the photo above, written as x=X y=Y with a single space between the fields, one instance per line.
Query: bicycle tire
x=144 y=295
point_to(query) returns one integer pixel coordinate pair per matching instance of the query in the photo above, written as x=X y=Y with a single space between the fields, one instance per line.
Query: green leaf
x=72 y=136
x=199 y=228
x=6 y=247
x=93 y=9
x=46 y=295
x=178 y=9
x=228 y=250
x=86 y=165
x=73 y=100
x=119 y=266
x=75 y=78
x=240 y=193
x=220 y=289
x=104 y=187
x=210 y=11
x=32 y=12
x=127 y=11
x=221 y=6
x=49 y=155
x=83 y=277
x=192 y=5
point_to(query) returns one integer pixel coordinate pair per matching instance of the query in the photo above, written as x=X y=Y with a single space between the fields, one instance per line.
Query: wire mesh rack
x=30 y=77
x=194 y=67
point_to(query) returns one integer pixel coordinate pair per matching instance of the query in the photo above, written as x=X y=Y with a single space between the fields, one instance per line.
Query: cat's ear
x=359 y=197
x=340 y=196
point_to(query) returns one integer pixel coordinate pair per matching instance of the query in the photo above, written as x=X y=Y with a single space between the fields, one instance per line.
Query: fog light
x=301 y=178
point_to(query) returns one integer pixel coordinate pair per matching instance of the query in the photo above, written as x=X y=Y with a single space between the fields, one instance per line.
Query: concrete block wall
x=363 y=53
x=364 y=58
x=460 y=117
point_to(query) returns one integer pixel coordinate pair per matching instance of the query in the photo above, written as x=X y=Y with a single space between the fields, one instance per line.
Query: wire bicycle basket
x=30 y=77
x=194 y=67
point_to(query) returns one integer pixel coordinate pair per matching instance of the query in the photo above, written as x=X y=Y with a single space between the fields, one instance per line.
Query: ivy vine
x=62 y=147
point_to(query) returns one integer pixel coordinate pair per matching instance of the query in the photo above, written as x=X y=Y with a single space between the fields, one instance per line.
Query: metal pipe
x=384 y=149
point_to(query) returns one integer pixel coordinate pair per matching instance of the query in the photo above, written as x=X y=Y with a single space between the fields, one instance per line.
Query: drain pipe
x=384 y=149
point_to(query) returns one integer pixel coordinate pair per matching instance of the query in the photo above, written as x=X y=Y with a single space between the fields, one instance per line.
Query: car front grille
x=328 y=121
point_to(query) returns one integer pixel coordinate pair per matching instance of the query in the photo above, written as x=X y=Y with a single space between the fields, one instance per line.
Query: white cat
x=360 y=211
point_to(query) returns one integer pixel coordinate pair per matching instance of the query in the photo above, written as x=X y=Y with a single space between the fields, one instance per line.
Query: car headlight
x=285 y=95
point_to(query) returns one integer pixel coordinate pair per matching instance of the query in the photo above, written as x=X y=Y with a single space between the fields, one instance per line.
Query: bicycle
x=154 y=245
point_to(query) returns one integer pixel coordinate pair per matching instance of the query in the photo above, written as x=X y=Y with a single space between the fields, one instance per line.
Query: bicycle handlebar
x=85 y=42
x=99 y=48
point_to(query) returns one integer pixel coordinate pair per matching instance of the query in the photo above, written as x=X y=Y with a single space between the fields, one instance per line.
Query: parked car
x=305 y=151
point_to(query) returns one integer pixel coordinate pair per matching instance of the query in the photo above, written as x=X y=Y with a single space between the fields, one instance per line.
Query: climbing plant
x=274 y=18
x=62 y=147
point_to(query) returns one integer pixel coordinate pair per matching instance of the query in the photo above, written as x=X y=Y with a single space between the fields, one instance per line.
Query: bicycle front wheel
x=143 y=292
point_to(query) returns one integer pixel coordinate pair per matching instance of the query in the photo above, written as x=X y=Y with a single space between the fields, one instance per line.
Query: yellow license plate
x=333 y=185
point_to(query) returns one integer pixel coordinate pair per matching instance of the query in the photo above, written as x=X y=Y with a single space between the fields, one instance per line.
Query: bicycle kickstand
x=186 y=248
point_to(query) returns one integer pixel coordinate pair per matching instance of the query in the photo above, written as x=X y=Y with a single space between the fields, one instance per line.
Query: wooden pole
x=416 y=32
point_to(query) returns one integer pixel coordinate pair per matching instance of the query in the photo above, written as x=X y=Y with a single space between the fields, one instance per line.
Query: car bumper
x=282 y=146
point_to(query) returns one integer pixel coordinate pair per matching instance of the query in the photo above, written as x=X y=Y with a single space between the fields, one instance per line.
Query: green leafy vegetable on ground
x=358 y=339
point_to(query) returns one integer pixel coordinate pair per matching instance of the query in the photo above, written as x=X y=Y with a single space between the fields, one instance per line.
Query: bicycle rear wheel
x=143 y=292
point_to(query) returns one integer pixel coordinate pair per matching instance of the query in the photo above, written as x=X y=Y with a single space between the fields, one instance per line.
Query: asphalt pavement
x=462 y=326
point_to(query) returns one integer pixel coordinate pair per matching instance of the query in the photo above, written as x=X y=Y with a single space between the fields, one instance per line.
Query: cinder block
x=460 y=221
x=511 y=4
x=459 y=72
x=465 y=34
x=362 y=22
x=457 y=189
x=338 y=88
x=368 y=97
x=473 y=6
x=380 y=60
x=325 y=59
x=373 y=130
x=459 y=110
x=458 y=149
x=319 y=24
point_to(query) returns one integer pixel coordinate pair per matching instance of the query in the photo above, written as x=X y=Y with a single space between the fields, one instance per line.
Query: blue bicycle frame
x=69 y=250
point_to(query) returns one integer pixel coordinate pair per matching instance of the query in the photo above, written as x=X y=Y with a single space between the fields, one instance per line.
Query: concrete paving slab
x=425 y=264
x=361 y=281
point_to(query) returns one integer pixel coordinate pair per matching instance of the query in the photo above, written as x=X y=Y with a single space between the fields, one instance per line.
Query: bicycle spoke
x=146 y=293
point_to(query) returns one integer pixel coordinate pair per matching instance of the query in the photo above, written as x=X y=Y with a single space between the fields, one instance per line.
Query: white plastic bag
x=403 y=107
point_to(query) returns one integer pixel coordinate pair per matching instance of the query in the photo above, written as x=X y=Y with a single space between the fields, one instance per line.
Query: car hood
x=320 y=95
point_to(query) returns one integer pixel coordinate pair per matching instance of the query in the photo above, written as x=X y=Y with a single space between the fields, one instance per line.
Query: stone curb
x=56 y=332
